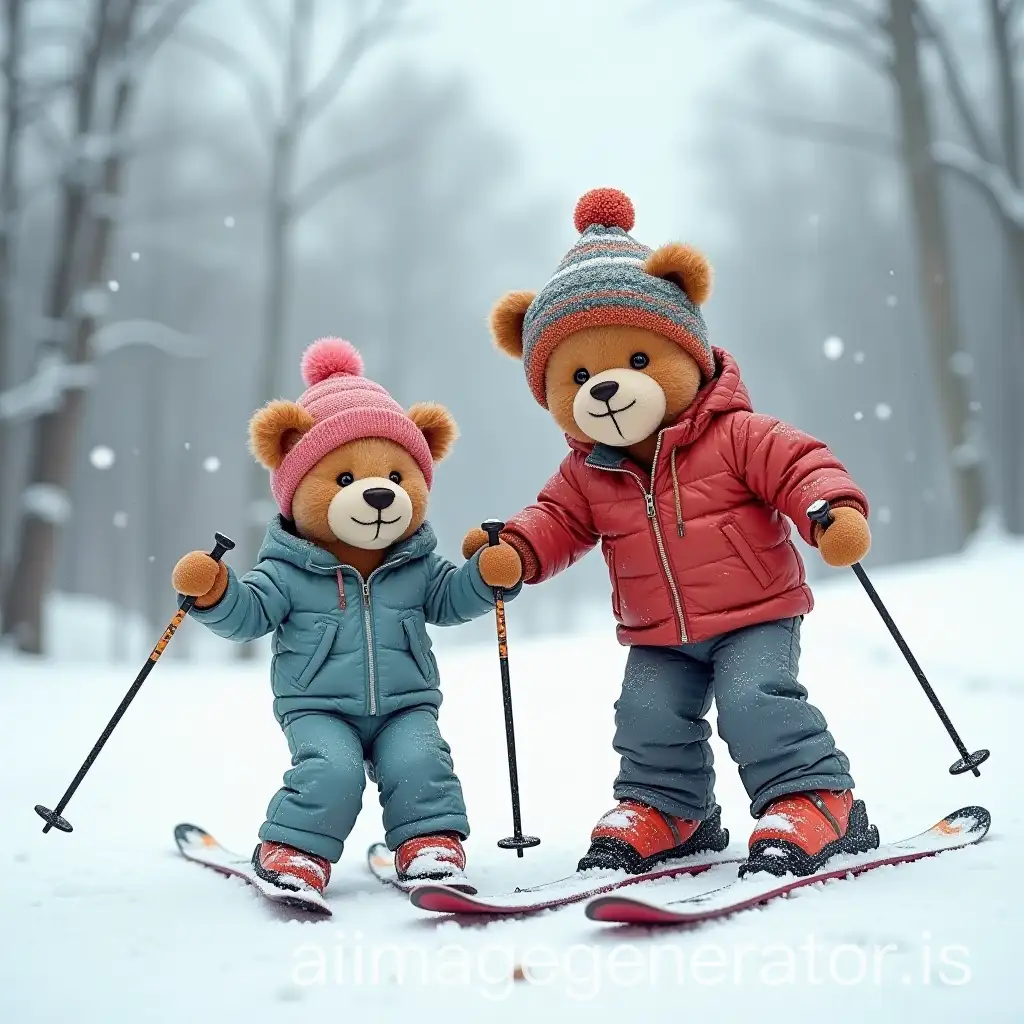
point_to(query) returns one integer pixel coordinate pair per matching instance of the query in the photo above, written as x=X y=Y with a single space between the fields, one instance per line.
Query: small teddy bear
x=346 y=581
x=688 y=491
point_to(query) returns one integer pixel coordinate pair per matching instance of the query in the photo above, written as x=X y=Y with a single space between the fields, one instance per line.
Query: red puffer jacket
x=704 y=550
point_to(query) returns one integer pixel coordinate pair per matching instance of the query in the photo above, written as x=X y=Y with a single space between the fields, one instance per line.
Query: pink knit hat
x=346 y=407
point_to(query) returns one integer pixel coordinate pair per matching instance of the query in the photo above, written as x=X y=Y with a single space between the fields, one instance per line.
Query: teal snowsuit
x=355 y=682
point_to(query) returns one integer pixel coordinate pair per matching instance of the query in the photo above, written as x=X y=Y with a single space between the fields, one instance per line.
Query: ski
x=962 y=828
x=442 y=899
x=197 y=845
x=381 y=862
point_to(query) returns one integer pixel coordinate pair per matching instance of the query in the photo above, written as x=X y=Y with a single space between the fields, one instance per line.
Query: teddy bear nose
x=604 y=391
x=379 y=497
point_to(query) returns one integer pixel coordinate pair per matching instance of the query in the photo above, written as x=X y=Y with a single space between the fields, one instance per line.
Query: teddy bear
x=346 y=581
x=690 y=494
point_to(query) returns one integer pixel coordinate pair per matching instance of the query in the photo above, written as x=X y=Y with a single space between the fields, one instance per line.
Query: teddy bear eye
x=395 y=477
x=639 y=360
x=345 y=479
x=581 y=376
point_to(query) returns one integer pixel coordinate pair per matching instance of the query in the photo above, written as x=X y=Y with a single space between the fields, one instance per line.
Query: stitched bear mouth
x=379 y=522
x=613 y=413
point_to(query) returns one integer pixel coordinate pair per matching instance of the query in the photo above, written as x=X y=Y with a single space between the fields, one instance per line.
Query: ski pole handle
x=493 y=528
x=820 y=512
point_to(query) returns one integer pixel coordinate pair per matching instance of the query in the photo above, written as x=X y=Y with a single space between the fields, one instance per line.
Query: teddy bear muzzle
x=619 y=406
x=371 y=513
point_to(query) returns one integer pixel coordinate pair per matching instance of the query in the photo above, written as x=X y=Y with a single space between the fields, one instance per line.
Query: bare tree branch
x=932 y=32
x=862 y=16
x=1010 y=102
x=345 y=170
x=237 y=65
x=155 y=34
x=264 y=20
x=871 y=49
x=994 y=183
x=370 y=30
x=867 y=140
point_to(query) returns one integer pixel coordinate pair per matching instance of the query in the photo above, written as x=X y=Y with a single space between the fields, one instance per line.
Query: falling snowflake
x=136 y=256
x=975 y=407
x=883 y=411
x=229 y=222
x=885 y=514
x=858 y=357
x=833 y=347
x=120 y=520
x=814 y=220
x=152 y=558
x=891 y=300
x=211 y=464
x=102 y=457
x=858 y=415
x=113 y=285
x=892 y=273
x=962 y=364
x=188 y=445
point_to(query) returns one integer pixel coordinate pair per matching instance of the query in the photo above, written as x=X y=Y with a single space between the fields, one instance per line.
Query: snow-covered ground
x=108 y=924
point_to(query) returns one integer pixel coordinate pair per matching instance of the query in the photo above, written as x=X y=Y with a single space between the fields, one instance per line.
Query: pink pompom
x=329 y=356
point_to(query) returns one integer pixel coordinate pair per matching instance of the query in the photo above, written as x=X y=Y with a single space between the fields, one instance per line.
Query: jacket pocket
x=420 y=646
x=328 y=631
x=750 y=557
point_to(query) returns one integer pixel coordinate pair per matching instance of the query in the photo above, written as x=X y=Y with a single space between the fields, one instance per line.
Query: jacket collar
x=283 y=544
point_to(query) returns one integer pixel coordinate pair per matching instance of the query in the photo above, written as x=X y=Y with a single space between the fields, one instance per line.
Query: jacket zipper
x=652 y=515
x=364 y=586
x=368 y=624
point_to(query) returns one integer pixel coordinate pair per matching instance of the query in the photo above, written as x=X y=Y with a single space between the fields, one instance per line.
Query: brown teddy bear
x=688 y=492
x=347 y=580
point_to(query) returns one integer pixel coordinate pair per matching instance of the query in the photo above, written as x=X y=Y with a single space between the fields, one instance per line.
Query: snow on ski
x=442 y=899
x=381 y=862
x=962 y=828
x=196 y=844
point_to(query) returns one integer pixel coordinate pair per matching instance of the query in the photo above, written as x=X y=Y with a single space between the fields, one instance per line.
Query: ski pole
x=820 y=512
x=517 y=842
x=53 y=818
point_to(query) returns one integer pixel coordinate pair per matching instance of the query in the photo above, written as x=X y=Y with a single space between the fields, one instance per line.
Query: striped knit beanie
x=602 y=281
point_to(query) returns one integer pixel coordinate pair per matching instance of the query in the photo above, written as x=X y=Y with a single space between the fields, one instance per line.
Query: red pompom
x=328 y=356
x=605 y=206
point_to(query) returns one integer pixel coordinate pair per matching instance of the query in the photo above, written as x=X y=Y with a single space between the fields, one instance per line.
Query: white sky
x=595 y=92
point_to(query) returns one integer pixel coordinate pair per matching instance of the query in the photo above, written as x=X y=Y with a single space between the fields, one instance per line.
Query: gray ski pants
x=780 y=742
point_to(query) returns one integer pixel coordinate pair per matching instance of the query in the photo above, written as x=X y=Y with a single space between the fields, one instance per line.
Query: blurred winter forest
x=193 y=190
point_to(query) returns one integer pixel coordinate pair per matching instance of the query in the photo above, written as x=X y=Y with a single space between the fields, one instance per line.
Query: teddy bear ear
x=437 y=425
x=507 y=322
x=685 y=266
x=275 y=430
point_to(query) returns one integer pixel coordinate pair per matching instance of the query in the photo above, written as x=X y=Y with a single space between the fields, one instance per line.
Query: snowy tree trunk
x=1001 y=29
x=9 y=211
x=280 y=215
x=55 y=434
x=933 y=263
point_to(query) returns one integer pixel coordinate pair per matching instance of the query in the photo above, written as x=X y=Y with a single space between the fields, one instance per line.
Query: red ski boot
x=635 y=838
x=288 y=868
x=439 y=857
x=797 y=834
